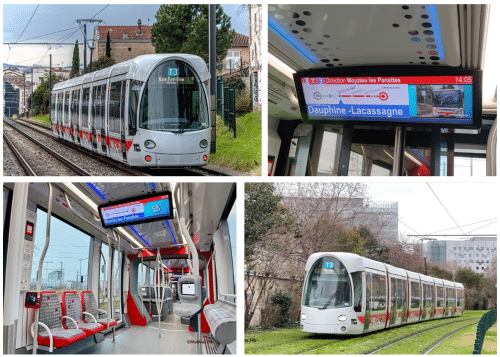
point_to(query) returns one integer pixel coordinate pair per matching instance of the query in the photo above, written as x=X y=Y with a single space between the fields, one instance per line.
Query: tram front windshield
x=328 y=285
x=174 y=100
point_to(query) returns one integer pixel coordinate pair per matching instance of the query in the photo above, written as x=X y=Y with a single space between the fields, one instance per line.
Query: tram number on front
x=173 y=72
x=329 y=265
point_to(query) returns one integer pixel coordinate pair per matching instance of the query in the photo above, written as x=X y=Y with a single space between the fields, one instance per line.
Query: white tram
x=348 y=294
x=150 y=111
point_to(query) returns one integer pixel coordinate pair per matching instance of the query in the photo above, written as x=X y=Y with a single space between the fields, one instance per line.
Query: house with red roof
x=127 y=42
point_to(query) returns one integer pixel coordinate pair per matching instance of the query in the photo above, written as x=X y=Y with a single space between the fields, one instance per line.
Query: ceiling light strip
x=291 y=41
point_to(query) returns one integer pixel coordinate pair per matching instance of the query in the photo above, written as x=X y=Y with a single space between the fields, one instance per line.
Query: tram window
x=399 y=292
x=103 y=105
x=415 y=295
x=66 y=263
x=94 y=98
x=231 y=222
x=114 y=107
x=328 y=285
x=53 y=106
x=104 y=277
x=66 y=106
x=469 y=166
x=440 y=296
x=122 y=101
x=135 y=88
x=379 y=295
x=357 y=281
x=173 y=103
x=85 y=107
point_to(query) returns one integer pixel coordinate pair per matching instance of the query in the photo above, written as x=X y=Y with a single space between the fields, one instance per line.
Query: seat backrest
x=72 y=307
x=50 y=311
x=89 y=303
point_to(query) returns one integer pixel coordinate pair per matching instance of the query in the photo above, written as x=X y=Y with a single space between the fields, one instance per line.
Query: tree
x=373 y=248
x=261 y=206
x=101 y=62
x=184 y=29
x=75 y=67
x=41 y=94
x=108 y=47
x=440 y=273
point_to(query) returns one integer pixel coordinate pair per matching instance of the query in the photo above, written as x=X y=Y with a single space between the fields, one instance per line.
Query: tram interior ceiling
x=379 y=90
x=119 y=268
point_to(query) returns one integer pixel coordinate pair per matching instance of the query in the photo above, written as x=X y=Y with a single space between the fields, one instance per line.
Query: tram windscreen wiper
x=182 y=127
x=330 y=300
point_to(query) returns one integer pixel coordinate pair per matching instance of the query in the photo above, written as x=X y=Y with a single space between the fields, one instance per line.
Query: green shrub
x=243 y=102
x=236 y=81
x=284 y=301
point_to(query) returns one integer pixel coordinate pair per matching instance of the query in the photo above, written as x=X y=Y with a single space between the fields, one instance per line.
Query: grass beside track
x=462 y=343
x=42 y=118
x=245 y=152
x=294 y=341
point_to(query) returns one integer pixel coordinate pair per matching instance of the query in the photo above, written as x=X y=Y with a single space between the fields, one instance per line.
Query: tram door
x=98 y=118
x=376 y=301
x=115 y=119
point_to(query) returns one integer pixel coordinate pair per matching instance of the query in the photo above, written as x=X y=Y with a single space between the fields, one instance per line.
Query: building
x=255 y=30
x=127 y=42
x=10 y=100
x=237 y=57
x=476 y=253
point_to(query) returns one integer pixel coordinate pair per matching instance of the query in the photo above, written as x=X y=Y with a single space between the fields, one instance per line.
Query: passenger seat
x=72 y=307
x=52 y=316
x=89 y=304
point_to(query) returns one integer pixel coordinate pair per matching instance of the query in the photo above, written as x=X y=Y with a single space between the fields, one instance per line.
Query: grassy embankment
x=294 y=341
x=242 y=154
x=245 y=152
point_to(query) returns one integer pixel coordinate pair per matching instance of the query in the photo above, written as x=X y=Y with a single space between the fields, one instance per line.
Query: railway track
x=26 y=149
x=28 y=171
x=316 y=342
x=424 y=331
x=445 y=338
x=177 y=171
x=98 y=164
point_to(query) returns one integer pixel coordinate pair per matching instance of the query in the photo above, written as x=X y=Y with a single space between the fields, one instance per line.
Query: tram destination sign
x=403 y=96
x=136 y=210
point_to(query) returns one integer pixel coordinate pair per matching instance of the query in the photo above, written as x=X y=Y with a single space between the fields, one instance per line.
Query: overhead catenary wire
x=464 y=225
x=31 y=18
x=369 y=199
x=449 y=214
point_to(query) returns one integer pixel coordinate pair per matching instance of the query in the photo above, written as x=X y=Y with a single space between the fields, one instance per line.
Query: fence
x=226 y=104
x=484 y=325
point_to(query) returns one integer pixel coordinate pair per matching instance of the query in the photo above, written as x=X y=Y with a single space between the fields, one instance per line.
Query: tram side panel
x=85 y=128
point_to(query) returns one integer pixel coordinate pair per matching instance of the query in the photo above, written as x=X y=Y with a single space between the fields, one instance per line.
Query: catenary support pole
x=213 y=74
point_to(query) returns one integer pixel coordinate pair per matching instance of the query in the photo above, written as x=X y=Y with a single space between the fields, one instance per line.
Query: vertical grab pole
x=159 y=286
x=110 y=286
x=142 y=284
x=40 y=266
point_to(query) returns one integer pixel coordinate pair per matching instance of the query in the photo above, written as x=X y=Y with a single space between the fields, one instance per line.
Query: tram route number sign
x=136 y=210
x=173 y=72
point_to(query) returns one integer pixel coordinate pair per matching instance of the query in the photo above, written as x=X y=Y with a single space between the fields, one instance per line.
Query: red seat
x=72 y=307
x=51 y=315
x=89 y=304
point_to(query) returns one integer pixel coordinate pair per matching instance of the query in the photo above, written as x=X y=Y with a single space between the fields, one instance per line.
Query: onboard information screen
x=422 y=99
x=157 y=207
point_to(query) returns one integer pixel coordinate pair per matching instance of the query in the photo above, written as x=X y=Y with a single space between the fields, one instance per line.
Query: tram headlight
x=342 y=317
x=203 y=143
x=303 y=316
x=149 y=144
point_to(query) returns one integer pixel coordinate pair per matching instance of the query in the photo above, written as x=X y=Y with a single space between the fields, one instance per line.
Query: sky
x=421 y=210
x=50 y=18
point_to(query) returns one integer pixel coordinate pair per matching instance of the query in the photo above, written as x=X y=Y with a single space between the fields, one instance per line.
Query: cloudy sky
x=61 y=19
x=420 y=209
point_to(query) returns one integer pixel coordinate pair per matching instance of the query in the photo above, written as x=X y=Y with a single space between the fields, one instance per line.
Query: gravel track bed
x=11 y=166
x=40 y=161
x=86 y=162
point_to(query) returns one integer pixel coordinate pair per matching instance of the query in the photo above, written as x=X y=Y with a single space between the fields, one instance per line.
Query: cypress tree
x=75 y=66
x=108 y=47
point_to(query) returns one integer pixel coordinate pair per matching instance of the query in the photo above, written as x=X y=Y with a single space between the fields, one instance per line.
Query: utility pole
x=213 y=79
x=85 y=40
x=50 y=88
x=24 y=93
x=47 y=270
x=31 y=106
x=62 y=277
